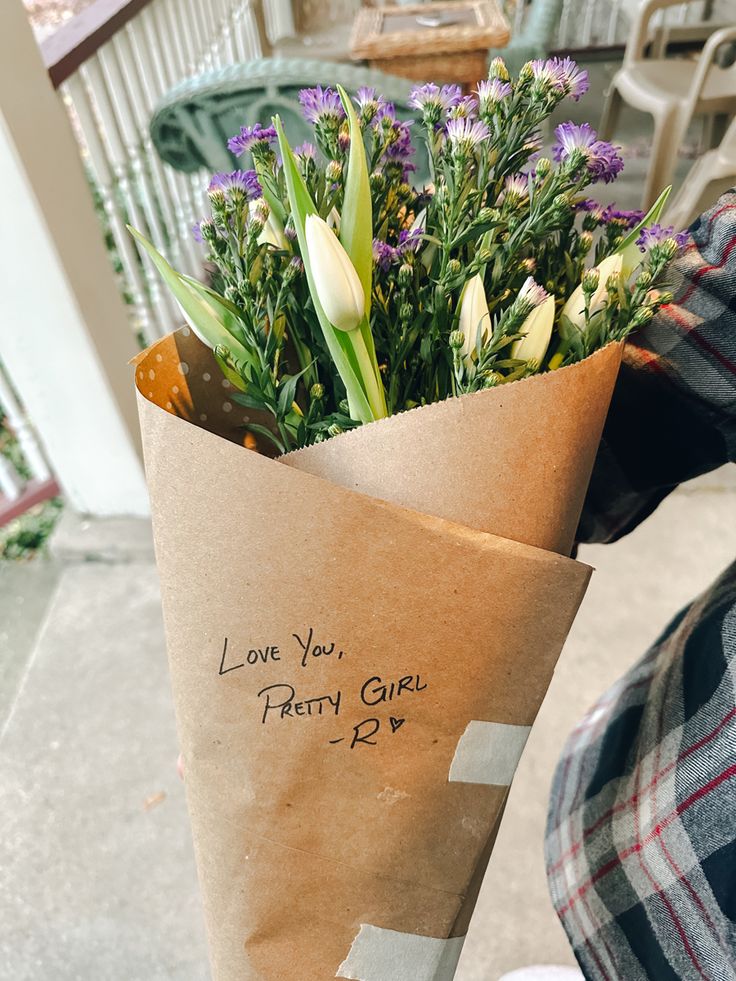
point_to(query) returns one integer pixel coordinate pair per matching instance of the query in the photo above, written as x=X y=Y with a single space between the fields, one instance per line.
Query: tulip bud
x=336 y=282
x=574 y=309
x=474 y=316
x=537 y=333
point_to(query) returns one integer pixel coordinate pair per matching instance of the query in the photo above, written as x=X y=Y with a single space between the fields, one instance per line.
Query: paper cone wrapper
x=360 y=635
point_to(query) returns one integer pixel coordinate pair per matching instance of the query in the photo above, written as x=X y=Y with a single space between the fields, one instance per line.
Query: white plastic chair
x=707 y=179
x=672 y=90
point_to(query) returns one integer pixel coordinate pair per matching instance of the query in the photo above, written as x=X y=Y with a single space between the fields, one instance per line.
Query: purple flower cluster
x=655 y=234
x=563 y=75
x=385 y=255
x=609 y=214
x=321 y=105
x=603 y=160
x=239 y=181
x=251 y=138
x=466 y=134
x=307 y=151
x=492 y=93
x=368 y=101
x=432 y=100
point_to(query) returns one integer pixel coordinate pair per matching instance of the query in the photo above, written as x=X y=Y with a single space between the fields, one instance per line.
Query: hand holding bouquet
x=361 y=630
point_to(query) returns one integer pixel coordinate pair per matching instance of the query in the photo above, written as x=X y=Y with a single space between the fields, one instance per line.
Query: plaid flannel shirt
x=641 y=835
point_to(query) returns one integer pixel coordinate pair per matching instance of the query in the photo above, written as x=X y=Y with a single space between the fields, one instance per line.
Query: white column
x=64 y=333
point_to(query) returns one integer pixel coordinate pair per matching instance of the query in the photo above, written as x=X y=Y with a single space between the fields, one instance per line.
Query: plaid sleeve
x=673 y=414
x=641 y=835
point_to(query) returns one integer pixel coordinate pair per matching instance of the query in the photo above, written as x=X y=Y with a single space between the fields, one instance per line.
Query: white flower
x=574 y=309
x=336 y=282
x=474 y=316
x=537 y=331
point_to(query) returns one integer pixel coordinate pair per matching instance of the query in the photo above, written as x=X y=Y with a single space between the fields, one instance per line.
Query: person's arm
x=673 y=415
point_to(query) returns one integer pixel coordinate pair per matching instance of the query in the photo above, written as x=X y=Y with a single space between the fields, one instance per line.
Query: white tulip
x=474 y=316
x=537 y=331
x=336 y=282
x=574 y=309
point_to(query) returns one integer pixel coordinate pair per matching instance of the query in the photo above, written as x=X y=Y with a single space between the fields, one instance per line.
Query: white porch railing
x=111 y=65
x=30 y=483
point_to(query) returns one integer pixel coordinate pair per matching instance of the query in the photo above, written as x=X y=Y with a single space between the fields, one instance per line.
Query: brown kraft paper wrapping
x=357 y=656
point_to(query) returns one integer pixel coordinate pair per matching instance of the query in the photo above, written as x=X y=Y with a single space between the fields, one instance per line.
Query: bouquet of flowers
x=362 y=629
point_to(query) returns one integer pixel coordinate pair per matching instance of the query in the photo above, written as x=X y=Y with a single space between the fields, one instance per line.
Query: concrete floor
x=98 y=880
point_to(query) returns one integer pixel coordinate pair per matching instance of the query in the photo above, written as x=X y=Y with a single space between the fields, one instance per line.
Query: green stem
x=369 y=376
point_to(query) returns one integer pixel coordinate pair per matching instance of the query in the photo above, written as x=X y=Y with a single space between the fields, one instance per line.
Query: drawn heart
x=396 y=723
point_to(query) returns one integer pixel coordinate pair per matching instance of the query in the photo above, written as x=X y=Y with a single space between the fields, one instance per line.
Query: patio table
x=446 y=42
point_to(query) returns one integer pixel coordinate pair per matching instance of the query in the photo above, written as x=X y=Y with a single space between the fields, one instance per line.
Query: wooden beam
x=77 y=40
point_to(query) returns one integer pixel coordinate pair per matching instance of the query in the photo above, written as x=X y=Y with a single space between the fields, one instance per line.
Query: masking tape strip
x=488 y=752
x=386 y=955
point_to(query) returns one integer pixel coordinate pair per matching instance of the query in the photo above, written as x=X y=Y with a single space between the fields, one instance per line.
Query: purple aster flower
x=492 y=92
x=466 y=134
x=319 y=105
x=368 y=101
x=571 y=137
x=626 y=219
x=571 y=79
x=655 y=234
x=605 y=162
x=410 y=240
x=603 y=159
x=467 y=108
x=430 y=98
x=250 y=138
x=384 y=255
x=242 y=181
x=516 y=187
x=531 y=293
x=399 y=141
x=307 y=151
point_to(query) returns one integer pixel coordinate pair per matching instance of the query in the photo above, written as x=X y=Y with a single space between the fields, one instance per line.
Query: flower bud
x=378 y=182
x=406 y=274
x=574 y=309
x=474 y=316
x=537 y=333
x=333 y=171
x=317 y=391
x=543 y=167
x=344 y=407
x=336 y=282
x=498 y=69
x=641 y=317
x=456 y=339
x=406 y=312
x=591 y=278
x=585 y=243
x=454 y=267
x=334 y=429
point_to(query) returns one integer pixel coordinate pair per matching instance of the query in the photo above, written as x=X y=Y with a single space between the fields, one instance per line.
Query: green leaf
x=287 y=392
x=198 y=306
x=356 y=222
x=232 y=376
x=255 y=427
x=337 y=341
